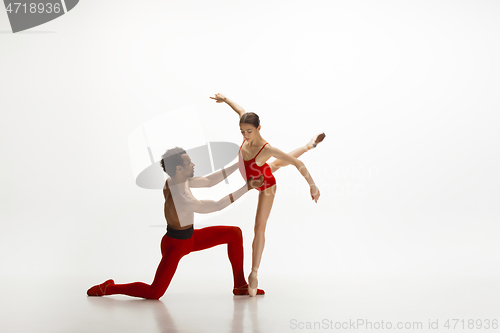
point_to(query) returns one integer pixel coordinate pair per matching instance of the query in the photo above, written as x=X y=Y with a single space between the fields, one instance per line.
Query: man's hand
x=255 y=183
x=315 y=193
x=219 y=98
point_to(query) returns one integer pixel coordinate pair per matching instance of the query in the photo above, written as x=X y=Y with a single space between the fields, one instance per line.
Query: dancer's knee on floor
x=155 y=295
x=156 y=292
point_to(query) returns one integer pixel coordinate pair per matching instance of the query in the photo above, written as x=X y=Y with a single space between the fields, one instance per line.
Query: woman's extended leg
x=276 y=164
x=266 y=199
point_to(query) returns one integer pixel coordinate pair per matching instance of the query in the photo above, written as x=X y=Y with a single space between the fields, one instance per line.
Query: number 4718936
x=471 y=324
x=33 y=8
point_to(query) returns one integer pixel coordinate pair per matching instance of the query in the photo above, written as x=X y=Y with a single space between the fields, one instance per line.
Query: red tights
x=174 y=249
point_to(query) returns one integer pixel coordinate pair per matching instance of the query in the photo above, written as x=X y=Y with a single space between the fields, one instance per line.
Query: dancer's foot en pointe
x=253 y=283
x=100 y=289
x=314 y=141
x=243 y=290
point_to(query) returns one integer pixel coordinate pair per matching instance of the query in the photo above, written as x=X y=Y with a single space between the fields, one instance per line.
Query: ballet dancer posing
x=181 y=238
x=258 y=148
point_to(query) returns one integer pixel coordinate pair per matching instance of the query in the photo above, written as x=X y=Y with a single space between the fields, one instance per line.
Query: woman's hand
x=251 y=183
x=219 y=98
x=315 y=193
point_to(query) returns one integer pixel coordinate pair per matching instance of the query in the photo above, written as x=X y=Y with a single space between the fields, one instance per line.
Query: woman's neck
x=258 y=141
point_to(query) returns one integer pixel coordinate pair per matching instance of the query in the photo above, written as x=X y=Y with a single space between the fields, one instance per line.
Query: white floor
x=294 y=305
x=406 y=230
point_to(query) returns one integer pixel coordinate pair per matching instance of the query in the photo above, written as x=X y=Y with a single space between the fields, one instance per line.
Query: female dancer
x=258 y=148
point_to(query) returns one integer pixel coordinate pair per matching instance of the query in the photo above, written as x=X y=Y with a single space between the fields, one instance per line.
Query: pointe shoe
x=100 y=289
x=253 y=275
x=243 y=291
x=314 y=141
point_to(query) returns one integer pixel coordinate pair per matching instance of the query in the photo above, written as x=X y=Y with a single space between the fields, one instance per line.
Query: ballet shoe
x=100 y=289
x=243 y=291
x=314 y=141
x=252 y=291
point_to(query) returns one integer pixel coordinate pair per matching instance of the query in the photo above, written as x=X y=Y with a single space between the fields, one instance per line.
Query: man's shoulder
x=166 y=190
x=165 y=186
x=199 y=182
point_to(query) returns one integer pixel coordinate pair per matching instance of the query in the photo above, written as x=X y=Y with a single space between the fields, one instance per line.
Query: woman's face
x=249 y=131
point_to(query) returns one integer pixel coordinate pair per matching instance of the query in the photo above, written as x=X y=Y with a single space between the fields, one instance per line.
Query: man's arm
x=210 y=206
x=219 y=98
x=213 y=179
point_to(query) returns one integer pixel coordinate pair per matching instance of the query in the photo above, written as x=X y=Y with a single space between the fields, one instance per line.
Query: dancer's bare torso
x=176 y=207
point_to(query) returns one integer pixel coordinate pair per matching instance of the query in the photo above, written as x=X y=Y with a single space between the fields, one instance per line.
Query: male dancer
x=181 y=238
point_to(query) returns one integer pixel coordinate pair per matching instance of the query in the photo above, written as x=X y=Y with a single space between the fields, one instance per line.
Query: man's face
x=188 y=168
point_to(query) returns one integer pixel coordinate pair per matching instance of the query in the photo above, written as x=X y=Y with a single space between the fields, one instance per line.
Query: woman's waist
x=257 y=171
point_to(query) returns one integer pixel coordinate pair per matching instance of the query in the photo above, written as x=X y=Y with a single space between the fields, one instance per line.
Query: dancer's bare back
x=171 y=214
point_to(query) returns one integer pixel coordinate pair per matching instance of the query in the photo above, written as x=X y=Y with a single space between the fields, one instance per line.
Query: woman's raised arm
x=219 y=98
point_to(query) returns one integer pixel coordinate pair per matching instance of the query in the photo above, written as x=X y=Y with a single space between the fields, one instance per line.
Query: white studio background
x=405 y=91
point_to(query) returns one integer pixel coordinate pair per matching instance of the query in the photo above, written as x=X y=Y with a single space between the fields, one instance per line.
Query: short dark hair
x=171 y=159
x=250 y=118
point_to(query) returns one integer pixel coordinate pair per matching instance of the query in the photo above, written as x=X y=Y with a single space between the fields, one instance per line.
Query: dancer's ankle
x=315 y=141
x=253 y=277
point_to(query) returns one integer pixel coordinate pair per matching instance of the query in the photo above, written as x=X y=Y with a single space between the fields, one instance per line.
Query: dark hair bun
x=250 y=118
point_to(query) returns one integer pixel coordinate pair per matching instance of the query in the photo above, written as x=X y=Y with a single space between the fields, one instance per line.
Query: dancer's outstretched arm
x=219 y=98
x=213 y=179
x=289 y=159
x=210 y=206
x=276 y=164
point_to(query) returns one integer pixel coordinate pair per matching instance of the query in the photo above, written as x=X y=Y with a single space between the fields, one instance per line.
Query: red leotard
x=251 y=169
